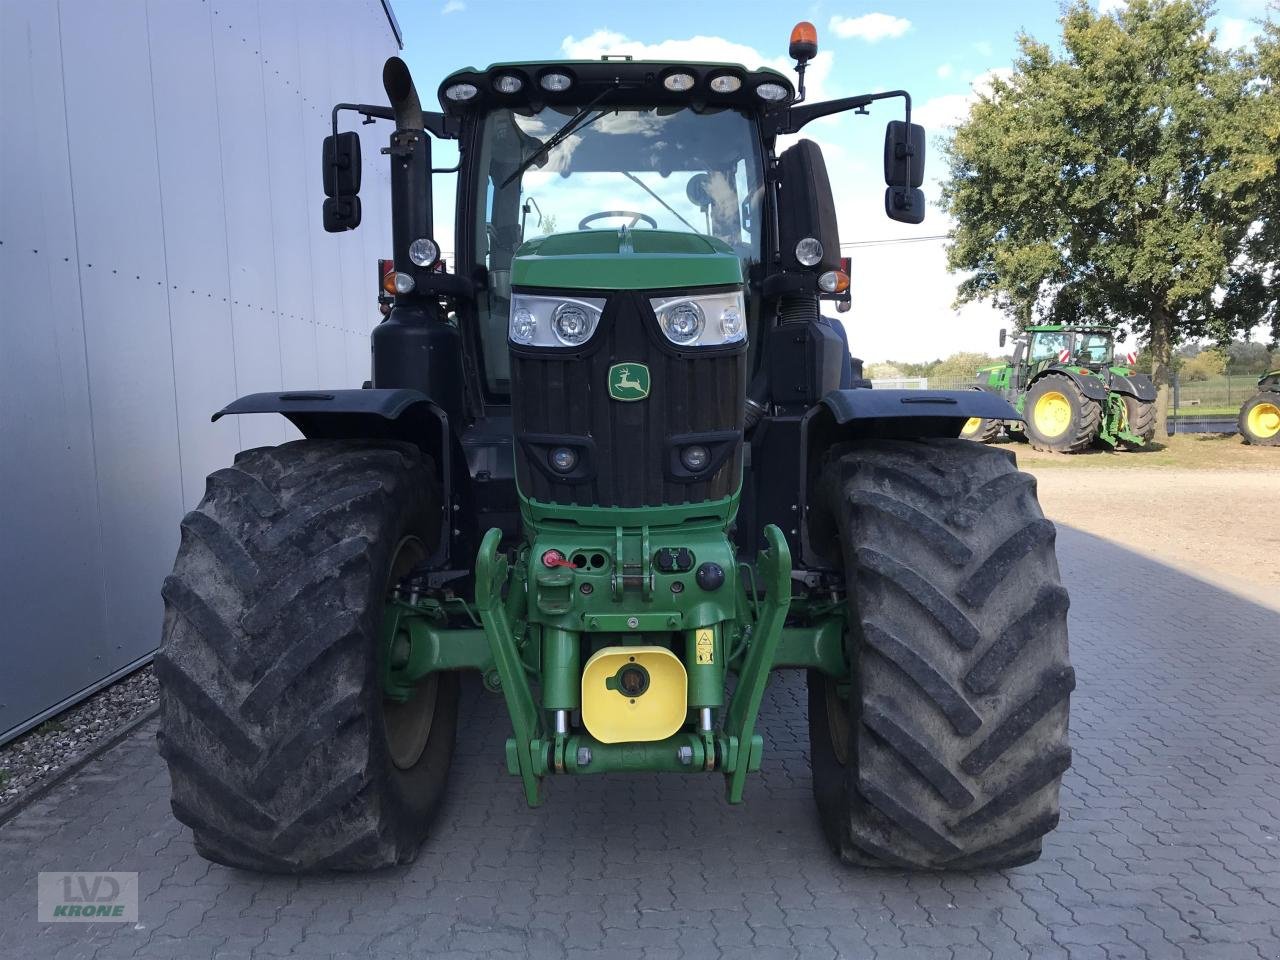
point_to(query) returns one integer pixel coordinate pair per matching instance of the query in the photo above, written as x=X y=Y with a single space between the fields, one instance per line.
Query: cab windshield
x=665 y=168
x=1062 y=346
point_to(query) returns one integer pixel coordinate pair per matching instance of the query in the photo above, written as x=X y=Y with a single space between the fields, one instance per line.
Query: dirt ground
x=1208 y=505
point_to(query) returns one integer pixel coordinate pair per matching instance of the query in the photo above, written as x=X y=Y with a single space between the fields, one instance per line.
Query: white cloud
x=941 y=113
x=1234 y=33
x=700 y=48
x=454 y=6
x=945 y=70
x=1112 y=6
x=983 y=47
x=871 y=27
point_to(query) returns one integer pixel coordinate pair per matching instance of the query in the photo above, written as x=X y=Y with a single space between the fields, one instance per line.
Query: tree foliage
x=1254 y=287
x=1117 y=181
x=1204 y=365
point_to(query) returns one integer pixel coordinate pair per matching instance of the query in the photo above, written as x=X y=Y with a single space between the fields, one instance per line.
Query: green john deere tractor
x=1072 y=391
x=1260 y=416
x=606 y=469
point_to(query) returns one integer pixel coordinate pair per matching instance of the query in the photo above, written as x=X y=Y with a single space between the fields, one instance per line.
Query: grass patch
x=1205 y=412
x=5 y=777
x=50 y=726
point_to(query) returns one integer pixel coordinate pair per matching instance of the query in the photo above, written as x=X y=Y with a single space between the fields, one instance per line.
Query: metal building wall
x=160 y=254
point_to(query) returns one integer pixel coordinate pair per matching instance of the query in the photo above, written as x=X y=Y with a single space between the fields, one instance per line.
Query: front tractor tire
x=945 y=747
x=1059 y=417
x=980 y=429
x=1141 y=415
x=283 y=753
x=1259 y=422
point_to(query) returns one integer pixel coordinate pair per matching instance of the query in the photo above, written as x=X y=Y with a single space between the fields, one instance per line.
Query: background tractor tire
x=946 y=748
x=1260 y=419
x=981 y=430
x=282 y=753
x=1142 y=420
x=1059 y=417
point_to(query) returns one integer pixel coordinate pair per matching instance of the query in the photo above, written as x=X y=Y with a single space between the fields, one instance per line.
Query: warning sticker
x=705 y=645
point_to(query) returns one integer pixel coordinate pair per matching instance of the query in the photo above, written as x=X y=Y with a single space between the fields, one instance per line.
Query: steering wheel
x=635 y=218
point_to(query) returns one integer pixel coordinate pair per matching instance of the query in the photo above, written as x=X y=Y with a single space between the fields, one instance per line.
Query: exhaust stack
x=402 y=94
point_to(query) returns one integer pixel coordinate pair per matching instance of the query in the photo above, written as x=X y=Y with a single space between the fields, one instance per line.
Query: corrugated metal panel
x=160 y=253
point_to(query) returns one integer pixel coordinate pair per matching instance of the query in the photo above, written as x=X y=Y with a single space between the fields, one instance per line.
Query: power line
x=893 y=241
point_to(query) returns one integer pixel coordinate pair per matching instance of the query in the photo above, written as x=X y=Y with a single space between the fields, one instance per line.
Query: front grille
x=626 y=448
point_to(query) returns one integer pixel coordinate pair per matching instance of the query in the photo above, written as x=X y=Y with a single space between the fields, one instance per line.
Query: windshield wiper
x=641 y=184
x=559 y=136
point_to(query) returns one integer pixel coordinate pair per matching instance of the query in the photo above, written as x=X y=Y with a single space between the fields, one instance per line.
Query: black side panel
x=1139 y=385
x=806 y=207
x=625 y=447
x=1089 y=385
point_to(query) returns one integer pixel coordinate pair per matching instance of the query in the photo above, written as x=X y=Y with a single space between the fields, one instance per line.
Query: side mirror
x=904 y=155
x=341 y=213
x=1004 y=335
x=904 y=204
x=341 y=164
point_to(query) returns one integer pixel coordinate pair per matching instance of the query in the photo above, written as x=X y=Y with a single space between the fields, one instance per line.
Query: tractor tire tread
x=270 y=700
x=961 y=677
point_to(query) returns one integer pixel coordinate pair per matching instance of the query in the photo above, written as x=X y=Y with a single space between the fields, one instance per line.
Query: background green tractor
x=1071 y=390
x=1260 y=416
x=617 y=472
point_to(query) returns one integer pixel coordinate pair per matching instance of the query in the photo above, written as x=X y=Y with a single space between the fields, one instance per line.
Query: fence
x=1215 y=395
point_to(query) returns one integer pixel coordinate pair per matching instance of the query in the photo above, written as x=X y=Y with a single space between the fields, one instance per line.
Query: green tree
x=1204 y=365
x=886 y=370
x=1253 y=293
x=961 y=366
x=1115 y=182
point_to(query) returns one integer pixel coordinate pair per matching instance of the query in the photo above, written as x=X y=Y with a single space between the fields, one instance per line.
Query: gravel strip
x=41 y=753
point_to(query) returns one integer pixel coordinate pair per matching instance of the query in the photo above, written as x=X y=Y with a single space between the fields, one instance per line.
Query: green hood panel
x=625 y=260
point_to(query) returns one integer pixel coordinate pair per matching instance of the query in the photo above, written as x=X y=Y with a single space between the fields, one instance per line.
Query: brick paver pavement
x=1168 y=845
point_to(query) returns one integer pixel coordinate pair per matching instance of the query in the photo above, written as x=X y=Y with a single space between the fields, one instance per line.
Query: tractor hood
x=625 y=260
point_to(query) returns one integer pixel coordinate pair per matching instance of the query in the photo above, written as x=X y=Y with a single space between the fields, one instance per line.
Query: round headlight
x=678 y=82
x=828 y=282
x=555 y=82
x=726 y=83
x=562 y=459
x=424 y=252
x=809 y=251
x=460 y=91
x=571 y=324
x=507 y=83
x=404 y=283
x=695 y=458
x=730 y=322
x=683 y=322
x=771 y=92
x=523 y=326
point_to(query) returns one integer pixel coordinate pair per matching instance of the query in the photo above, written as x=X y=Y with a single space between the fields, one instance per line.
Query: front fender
x=1089 y=385
x=1137 y=385
x=408 y=416
x=911 y=409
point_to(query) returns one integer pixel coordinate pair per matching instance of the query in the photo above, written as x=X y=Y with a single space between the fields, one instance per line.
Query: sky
x=939 y=51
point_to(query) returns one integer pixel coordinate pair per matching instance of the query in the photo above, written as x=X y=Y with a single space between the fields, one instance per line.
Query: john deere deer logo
x=628 y=381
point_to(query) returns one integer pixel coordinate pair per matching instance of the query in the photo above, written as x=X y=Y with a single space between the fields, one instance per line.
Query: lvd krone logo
x=88 y=896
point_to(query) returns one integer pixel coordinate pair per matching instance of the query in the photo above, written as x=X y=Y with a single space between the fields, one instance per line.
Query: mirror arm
x=369 y=112
x=793 y=118
x=439 y=125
